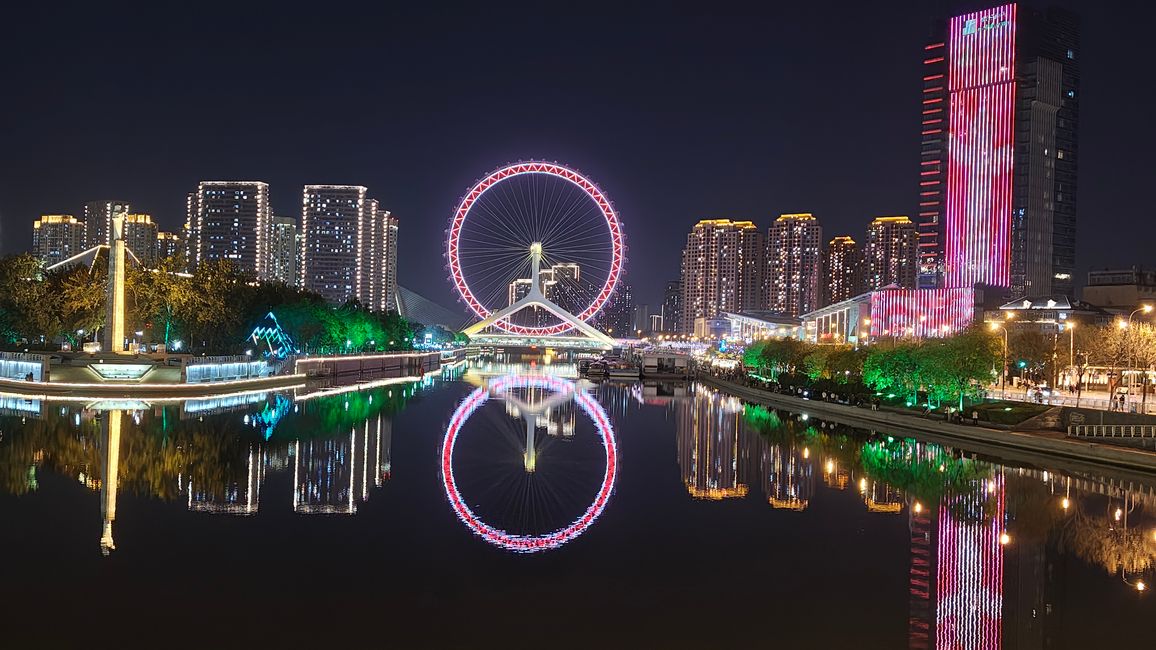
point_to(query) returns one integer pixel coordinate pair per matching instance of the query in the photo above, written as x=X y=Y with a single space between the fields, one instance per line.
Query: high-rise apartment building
x=617 y=315
x=170 y=244
x=377 y=256
x=98 y=217
x=230 y=221
x=140 y=237
x=722 y=270
x=794 y=264
x=891 y=253
x=843 y=270
x=332 y=220
x=672 y=307
x=57 y=237
x=283 y=254
x=999 y=159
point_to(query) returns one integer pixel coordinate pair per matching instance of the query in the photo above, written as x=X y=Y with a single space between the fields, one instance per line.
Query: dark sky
x=721 y=110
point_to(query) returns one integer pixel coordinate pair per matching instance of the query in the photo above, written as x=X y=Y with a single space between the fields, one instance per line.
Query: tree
x=162 y=296
x=77 y=292
x=892 y=365
x=960 y=365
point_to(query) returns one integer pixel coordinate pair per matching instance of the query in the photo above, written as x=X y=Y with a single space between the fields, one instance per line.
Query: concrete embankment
x=1038 y=446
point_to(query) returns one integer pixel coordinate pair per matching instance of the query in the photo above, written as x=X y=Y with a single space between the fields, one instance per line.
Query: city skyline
x=633 y=153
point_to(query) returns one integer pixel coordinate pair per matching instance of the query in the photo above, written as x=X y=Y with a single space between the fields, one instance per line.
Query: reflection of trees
x=212 y=453
x=924 y=471
x=54 y=443
x=1105 y=542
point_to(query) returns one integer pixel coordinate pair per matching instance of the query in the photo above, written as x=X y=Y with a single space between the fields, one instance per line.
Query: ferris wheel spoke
x=572 y=223
x=514 y=206
x=504 y=236
x=578 y=203
x=513 y=236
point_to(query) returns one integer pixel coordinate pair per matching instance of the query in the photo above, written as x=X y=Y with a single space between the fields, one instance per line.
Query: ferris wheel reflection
x=528 y=496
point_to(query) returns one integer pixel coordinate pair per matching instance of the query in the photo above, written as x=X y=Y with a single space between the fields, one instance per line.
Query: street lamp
x=1132 y=345
x=996 y=325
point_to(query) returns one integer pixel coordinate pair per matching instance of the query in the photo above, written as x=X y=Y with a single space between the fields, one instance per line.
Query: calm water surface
x=504 y=506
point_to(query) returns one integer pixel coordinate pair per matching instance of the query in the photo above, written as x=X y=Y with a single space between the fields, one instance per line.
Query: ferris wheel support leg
x=496 y=316
x=536 y=301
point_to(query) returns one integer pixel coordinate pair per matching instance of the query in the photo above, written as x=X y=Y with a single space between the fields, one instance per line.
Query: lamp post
x=1003 y=375
x=1132 y=345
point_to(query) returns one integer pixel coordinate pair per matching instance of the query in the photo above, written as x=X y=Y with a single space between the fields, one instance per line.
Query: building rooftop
x=883 y=220
x=724 y=223
x=798 y=216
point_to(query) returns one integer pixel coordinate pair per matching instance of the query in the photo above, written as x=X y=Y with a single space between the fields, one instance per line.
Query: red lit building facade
x=997 y=178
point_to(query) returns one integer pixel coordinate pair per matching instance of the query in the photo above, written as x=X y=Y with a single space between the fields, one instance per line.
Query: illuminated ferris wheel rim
x=529 y=543
x=453 y=253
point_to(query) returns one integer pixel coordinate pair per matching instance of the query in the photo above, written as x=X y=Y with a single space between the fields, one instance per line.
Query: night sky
x=718 y=111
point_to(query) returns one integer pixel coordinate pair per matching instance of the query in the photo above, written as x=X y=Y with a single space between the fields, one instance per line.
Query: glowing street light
x=996 y=325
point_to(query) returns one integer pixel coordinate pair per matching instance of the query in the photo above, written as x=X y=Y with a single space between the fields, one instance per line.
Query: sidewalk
x=1097 y=400
x=1050 y=444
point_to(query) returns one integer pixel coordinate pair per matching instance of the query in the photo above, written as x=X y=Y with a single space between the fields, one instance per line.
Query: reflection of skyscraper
x=969 y=575
x=333 y=476
x=921 y=576
x=788 y=476
x=236 y=498
x=714 y=454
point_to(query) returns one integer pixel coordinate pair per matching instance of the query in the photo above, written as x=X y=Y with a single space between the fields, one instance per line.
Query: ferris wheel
x=535 y=248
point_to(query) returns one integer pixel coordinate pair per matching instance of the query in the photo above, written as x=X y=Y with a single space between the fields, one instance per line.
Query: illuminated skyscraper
x=98 y=218
x=230 y=221
x=57 y=237
x=140 y=236
x=843 y=275
x=283 y=251
x=331 y=221
x=722 y=270
x=890 y=255
x=794 y=264
x=998 y=170
x=377 y=258
x=617 y=316
x=169 y=244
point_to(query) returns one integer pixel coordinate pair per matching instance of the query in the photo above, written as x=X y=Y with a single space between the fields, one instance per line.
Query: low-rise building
x=1120 y=288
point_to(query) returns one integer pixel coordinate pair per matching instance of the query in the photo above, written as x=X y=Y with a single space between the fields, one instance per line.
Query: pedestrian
x=975 y=417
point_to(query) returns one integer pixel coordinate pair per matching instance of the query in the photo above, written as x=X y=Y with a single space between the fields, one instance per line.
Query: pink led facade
x=921 y=313
x=969 y=580
x=981 y=80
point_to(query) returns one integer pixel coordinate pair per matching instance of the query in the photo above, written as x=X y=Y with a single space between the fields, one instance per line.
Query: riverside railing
x=228 y=368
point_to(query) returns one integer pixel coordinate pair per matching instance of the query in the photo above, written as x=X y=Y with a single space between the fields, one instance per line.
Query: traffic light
x=1022 y=364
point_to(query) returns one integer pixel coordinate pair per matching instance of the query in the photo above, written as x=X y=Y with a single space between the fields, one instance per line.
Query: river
x=512 y=506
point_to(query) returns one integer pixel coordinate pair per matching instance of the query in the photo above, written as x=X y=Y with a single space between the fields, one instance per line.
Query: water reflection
x=216 y=454
x=986 y=553
x=540 y=402
x=984 y=536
